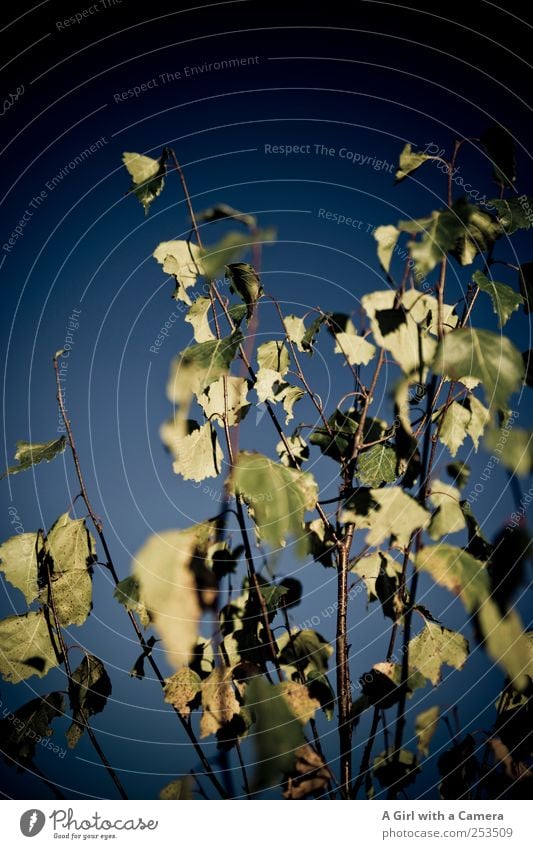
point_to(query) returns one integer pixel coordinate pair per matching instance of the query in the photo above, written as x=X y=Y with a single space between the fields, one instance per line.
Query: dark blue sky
x=361 y=82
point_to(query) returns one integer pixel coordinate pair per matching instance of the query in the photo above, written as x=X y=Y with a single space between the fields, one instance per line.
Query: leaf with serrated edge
x=425 y=727
x=31 y=453
x=181 y=690
x=357 y=350
x=168 y=586
x=394 y=513
x=504 y=299
x=435 y=646
x=25 y=647
x=198 y=316
x=387 y=237
x=448 y=518
x=277 y=496
x=18 y=562
x=183 y=261
x=486 y=356
x=377 y=465
x=228 y=392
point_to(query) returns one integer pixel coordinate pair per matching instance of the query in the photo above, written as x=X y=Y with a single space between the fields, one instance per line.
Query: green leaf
x=26 y=727
x=183 y=261
x=273 y=355
x=454 y=427
x=435 y=646
x=425 y=726
x=128 y=593
x=478 y=231
x=385 y=512
x=31 y=453
x=407 y=329
x=499 y=145
x=230 y=393
x=343 y=427
x=503 y=634
x=72 y=550
x=91 y=687
x=147 y=176
x=515 y=451
x=525 y=278
x=164 y=569
x=410 y=160
x=381 y=575
x=245 y=282
x=306 y=650
x=356 y=349
x=300 y=702
x=387 y=237
x=178 y=790
x=277 y=734
x=448 y=517
x=504 y=299
x=196 y=367
x=219 y=702
x=197 y=455
x=477 y=546
x=25 y=647
x=514 y=213
x=18 y=557
x=182 y=689
x=221 y=211
x=289 y=395
x=479 y=418
x=277 y=496
x=198 y=316
x=490 y=358
x=440 y=235
x=377 y=465
x=311 y=333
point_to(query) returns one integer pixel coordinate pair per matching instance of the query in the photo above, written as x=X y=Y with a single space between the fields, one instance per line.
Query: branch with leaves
x=416 y=382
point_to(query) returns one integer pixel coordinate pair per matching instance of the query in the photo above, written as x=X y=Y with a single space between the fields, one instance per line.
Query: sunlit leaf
x=425 y=726
x=163 y=567
x=18 y=562
x=25 y=647
x=448 y=517
x=385 y=512
x=410 y=160
x=435 y=646
x=31 y=453
x=309 y=777
x=489 y=357
x=276 y=495
x=182 y=260
x=219 y=702
x=387 y=237
x=504 y=299
x=198 y=316
x=197 y=455
x=356 y=349
x=377 y=465
x=225 y=393
x=147 y=176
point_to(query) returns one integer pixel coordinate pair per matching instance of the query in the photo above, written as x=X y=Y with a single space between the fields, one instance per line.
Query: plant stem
x=344 y=699
x=66 y=662
x=111 y=567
